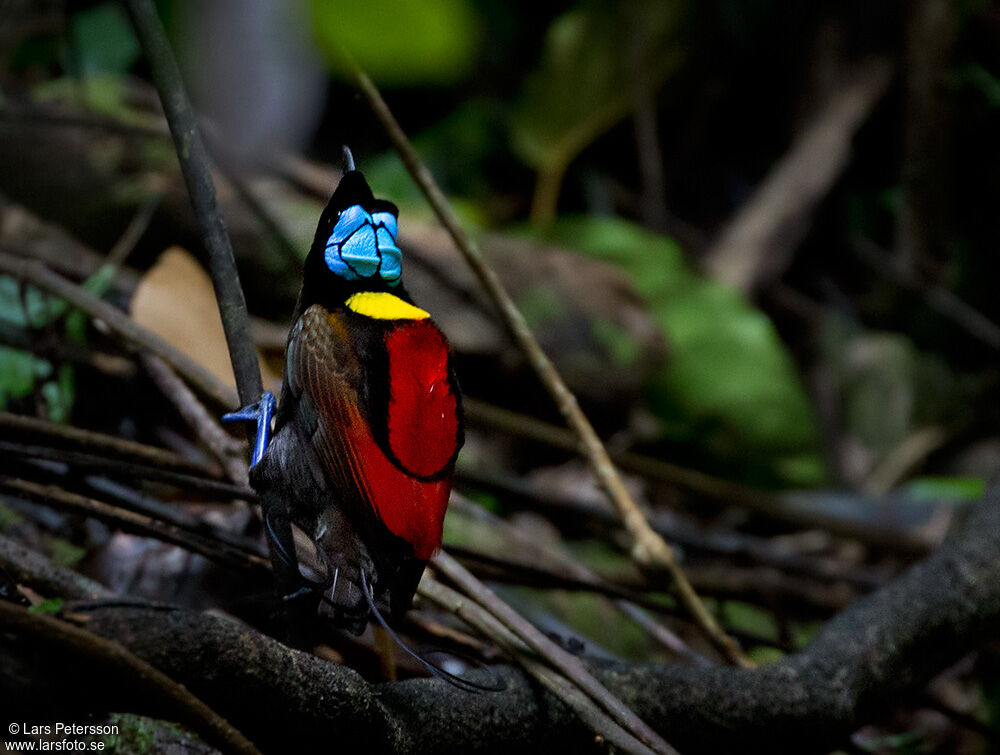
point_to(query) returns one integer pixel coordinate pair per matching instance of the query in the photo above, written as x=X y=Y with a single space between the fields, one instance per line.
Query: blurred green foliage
x=400 y=42
x=979 y=78
x=21 y=372
x=729 y=382
x=64 y=553
x=8 y=517
x=596 y=59
x=942 y=488
x=103 y=41
x=52 y=605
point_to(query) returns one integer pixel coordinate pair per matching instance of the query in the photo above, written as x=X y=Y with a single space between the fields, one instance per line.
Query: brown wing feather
x=323 y=367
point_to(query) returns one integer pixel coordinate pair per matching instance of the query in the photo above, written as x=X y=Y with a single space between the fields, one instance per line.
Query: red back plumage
x=422 y=416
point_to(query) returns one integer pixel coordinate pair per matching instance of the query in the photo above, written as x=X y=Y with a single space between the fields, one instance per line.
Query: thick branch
x=37 y=634
x=887 y=643
x=31 y=568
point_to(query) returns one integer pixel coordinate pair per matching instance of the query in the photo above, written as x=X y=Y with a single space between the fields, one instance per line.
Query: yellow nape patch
x=383 y=306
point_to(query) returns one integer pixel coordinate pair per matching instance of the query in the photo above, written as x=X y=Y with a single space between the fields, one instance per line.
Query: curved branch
x=28 y=567
x=34 y=633
x=883 y=645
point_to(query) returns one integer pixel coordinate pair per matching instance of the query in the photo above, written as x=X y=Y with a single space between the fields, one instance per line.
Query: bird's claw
x=261 y=413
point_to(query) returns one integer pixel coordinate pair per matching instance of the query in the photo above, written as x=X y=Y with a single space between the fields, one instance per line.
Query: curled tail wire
x=432 y=668
x=309 y=586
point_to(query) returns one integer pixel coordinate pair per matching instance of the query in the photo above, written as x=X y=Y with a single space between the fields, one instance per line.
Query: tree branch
x=564 y=662
x=603 y=724
x=31 y=568
x=212 y=547
x=33 y=634
x=20 y=425
x=882 y=646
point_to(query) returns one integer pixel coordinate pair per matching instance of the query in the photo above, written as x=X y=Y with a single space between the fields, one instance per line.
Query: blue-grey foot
x=261 y=413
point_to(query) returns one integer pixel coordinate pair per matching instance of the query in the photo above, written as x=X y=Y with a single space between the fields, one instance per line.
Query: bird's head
x=356 y=237
x=354 y=249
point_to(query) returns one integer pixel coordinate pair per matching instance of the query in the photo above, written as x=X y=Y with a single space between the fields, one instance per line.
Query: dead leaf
x=176 y=300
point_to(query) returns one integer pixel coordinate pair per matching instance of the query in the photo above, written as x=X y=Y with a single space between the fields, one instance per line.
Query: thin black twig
x=96 y=442
x=135 y=523
x=128 y=470
x=194 y=163
x=195 y=166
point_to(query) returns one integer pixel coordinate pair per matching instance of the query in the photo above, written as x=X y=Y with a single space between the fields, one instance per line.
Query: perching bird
x=369 y=422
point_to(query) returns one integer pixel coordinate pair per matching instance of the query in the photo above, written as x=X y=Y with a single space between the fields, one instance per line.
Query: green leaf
x=104 y=39
x=400 y=43
x=586 y=80
x=616 y=341
x=60 y=393
x=729 y=382
x=17 y=374
x=52 y=605
x=64 y=553
x=946 y=488
x=103 y=94
x=9 y=518
x=803 y=632
x=751 y=619
x=539 y=304
x=979 y=78
x=20 y=370
x=762 y=655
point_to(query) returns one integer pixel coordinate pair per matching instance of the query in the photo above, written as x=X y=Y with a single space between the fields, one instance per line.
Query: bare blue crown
x=363 y=245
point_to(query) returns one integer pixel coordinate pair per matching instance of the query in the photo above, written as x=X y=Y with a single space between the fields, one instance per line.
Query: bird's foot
x=261 y=413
